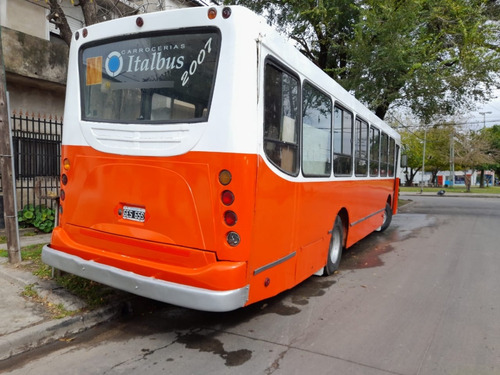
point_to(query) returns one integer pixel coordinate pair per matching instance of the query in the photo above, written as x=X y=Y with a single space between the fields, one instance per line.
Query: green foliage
x=40 y=217
x=435 y=57
x=91 y=292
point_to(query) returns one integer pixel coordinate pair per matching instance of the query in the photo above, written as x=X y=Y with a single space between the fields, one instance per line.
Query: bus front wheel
x=335 y=250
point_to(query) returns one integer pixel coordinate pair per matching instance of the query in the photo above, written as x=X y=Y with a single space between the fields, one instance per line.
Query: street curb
x=449 y=195
x=37 y=335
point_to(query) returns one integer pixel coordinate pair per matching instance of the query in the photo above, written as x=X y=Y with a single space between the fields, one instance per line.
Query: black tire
x=336 y=246
x=387 y=218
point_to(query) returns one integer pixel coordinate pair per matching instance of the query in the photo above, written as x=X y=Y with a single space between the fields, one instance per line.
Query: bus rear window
x=156 y=78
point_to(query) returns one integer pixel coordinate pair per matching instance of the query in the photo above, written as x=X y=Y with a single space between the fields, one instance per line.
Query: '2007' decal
x=198 y=61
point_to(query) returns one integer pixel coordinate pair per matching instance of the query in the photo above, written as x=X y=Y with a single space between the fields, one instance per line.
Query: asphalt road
x=421 y=298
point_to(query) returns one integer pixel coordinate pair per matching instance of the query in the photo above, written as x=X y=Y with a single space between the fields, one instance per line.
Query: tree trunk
x=89 y=9
x=7 y=171
x=58 y=18
x=468 y=182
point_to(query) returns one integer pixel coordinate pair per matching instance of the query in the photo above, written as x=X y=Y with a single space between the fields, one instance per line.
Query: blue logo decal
x=114 y=64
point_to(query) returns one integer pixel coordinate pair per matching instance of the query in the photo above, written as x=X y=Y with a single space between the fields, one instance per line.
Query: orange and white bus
x=207 y=163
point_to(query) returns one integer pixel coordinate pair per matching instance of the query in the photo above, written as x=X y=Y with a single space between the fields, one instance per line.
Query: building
x=444 y=178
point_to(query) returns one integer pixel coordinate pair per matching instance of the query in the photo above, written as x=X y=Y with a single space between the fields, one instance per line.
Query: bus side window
x=384 y=154
x=374 y=151
x=281 y=119
x=361 y=148
x=316 y=132
x=342 y=142
x=392 y=157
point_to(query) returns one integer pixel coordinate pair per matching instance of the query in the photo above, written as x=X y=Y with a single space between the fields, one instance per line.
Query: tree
x=492 y=135
x=412 y=149
x=472 y=151
x=437 y=147
x=94 y=11
x=436 y=57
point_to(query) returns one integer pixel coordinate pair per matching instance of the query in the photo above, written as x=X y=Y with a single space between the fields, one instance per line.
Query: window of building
x=316 y=132
x=281 y=122
x=36 y=154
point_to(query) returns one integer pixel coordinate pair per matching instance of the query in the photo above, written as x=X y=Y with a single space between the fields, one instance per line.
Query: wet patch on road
x=368 y=252
x=210 y=344
x=359 y=258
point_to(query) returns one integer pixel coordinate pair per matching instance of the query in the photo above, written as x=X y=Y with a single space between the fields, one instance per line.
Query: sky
x=491 y=114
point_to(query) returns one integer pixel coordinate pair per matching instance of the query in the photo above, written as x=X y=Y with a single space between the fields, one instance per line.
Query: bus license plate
x=134 y=214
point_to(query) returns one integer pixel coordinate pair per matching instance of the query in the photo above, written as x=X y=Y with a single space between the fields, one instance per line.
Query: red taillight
x=227 y=197
x=139 y=21
x=62 y=195
x=230 y=218
x=226 y=12
x=64 y=179
x=85 y=32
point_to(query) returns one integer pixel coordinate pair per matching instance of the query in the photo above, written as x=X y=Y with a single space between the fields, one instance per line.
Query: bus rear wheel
x=387 y=218
x=335 y=250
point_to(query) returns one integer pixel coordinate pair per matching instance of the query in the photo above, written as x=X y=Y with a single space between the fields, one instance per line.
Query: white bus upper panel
x=165 y=90
x=230 y=119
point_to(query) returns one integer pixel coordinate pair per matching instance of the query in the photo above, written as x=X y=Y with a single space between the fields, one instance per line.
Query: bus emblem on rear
x=114 y=64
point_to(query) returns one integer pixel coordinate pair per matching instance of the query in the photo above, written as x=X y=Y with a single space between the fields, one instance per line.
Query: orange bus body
x=183 y=237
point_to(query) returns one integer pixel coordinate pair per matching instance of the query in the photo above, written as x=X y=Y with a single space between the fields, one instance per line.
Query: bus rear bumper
x=160 y=290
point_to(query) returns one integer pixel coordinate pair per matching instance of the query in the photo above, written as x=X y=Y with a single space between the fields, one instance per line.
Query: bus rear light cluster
x=227 y=198
x=212 y=13
x=64 y=180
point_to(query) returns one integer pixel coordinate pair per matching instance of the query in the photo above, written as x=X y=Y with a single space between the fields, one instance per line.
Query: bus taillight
x=212 y=13
x=226 y=12
x=227 y=197
x=225 y=177
x=233 y=239
x=230 y=218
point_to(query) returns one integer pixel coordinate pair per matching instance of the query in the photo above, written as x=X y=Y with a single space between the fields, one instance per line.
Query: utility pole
x=6 y=169
x=423 y=161
x=452 y=158
x=484 y=117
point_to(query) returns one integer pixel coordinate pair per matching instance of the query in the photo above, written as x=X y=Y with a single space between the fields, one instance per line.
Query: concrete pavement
x=25 y=323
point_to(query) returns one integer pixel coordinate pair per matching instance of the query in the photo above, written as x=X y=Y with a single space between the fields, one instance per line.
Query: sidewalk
x=449 y=194
x=26 y=324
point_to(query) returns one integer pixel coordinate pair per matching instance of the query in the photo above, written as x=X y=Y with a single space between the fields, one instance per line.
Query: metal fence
x=36 y=143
